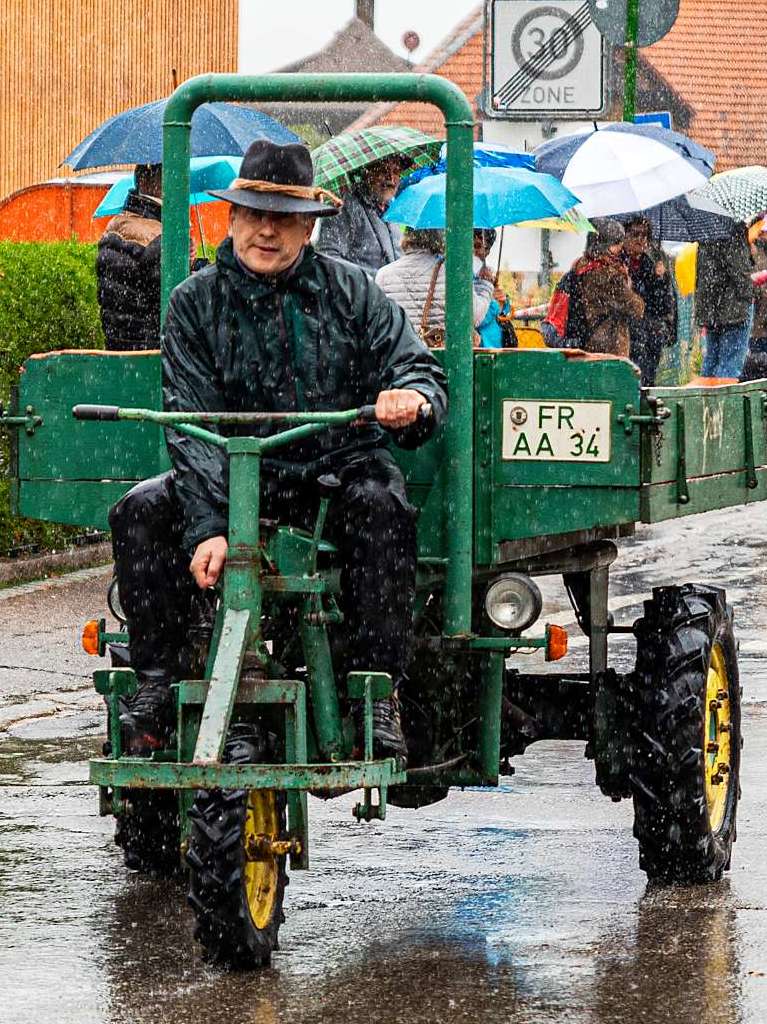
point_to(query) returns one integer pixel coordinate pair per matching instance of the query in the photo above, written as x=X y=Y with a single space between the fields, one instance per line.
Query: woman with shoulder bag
x=416 y=282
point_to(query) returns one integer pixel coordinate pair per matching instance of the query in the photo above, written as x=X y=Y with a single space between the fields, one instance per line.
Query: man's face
x=268 y=243
x=636 y=241
x=383 y=177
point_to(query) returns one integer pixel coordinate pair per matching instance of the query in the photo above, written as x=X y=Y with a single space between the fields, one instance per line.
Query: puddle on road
x=524 y=905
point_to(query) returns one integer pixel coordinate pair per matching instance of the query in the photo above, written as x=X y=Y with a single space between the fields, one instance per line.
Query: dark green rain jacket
x=321 y=336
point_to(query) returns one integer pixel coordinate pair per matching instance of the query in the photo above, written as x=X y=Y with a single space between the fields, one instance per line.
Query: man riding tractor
x=275 y=326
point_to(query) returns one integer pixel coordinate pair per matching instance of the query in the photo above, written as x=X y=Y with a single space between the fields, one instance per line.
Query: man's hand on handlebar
x=398 y=408
x=208 y=561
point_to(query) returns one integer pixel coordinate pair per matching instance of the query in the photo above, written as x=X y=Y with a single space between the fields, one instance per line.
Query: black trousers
x=369 y=520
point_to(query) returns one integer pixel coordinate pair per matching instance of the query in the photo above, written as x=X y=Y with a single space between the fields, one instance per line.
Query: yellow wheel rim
x=718 y=739
x=261 y=871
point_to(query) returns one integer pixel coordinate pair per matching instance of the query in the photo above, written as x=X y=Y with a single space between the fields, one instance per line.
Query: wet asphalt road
x=518 y=905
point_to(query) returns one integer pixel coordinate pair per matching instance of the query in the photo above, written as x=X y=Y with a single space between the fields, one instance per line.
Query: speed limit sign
x=546 y=60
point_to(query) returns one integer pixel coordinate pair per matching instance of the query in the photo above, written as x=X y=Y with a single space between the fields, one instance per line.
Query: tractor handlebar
x=96 y=412
x=365 y=414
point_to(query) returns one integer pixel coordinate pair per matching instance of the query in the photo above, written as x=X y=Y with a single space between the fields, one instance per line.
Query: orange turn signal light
x=556 y=643
x=90 y=639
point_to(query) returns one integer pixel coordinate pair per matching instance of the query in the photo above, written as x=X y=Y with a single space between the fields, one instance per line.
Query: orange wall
x=55 y=212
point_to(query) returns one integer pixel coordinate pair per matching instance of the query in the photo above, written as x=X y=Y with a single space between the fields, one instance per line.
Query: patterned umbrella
x=742 y=192
x=339 y=157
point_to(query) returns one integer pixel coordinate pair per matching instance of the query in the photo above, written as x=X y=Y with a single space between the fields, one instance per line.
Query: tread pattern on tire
x=215 y=858
x=150 y=835
x=671 y=821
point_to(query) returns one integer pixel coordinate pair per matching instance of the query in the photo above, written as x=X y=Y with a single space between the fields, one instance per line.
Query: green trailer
x=547 y=459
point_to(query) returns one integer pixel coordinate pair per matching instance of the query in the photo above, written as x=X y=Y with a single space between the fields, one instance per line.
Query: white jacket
x=407 y=281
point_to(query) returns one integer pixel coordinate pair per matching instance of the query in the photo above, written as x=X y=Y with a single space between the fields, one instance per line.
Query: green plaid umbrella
x=339 y=157
x=742 y=192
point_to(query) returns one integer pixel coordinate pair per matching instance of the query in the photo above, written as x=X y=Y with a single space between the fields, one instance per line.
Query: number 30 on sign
x=556 y=431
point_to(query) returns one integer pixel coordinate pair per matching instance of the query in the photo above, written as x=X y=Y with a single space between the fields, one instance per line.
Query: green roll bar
x=459 y=124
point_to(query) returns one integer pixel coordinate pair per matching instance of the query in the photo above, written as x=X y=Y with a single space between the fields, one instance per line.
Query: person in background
x=491 y=333
x=609 y=303
x=564 y=326
x=128 y=266
x=651 y=280
x=359 y=234
x=755 y=367
x=416 y=282
x=724 y=302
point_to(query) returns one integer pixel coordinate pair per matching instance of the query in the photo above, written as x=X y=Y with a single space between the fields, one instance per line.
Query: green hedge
x=47 y=301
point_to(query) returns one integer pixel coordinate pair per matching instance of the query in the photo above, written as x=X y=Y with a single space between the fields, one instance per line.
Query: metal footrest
x=343 y=776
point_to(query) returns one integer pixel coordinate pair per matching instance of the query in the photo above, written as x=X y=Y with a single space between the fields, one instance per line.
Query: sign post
x=633 y=24
x=630 y=61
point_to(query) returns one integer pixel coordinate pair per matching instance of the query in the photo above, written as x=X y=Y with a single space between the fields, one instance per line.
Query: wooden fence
x=67 y=65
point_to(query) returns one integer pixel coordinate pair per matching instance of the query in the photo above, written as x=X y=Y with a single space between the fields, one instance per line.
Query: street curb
x=67 y=579
x=14 y=571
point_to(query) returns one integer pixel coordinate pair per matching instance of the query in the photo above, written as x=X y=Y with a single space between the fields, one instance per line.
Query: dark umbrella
x=690 y=218
x=553 y=157
x=135 y=136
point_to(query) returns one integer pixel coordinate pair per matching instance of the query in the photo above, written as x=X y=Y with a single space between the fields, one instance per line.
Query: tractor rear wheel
x=236 y=880
x=149 y=832
x=686 y=763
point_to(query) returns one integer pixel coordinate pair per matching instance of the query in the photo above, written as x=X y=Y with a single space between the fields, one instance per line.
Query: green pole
x=630 y=60
x=459 y=122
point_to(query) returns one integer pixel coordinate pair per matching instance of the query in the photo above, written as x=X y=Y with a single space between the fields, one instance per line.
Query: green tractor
x=547 y=459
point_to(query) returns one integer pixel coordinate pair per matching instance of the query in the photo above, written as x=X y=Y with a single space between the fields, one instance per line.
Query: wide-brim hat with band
x=279 y=179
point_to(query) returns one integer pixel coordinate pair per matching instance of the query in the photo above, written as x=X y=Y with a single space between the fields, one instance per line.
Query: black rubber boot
x=388 y=737
x=149 y=721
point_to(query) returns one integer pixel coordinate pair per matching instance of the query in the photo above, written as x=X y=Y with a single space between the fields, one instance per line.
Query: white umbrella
x=613 y=172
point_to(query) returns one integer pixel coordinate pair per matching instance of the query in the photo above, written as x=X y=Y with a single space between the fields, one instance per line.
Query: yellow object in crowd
x=684 y=269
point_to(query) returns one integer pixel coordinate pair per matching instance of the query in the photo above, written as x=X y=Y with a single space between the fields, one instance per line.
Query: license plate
x=556 y=431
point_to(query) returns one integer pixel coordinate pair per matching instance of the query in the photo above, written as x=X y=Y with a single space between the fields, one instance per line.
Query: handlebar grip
x=425 y=412
x=367 y=414
x=96 y=412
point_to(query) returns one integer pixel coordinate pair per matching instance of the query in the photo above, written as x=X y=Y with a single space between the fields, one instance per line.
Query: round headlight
x=513 y=601
x=113 y=600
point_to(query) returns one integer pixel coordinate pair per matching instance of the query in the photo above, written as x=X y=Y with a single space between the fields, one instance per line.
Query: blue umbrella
x=493 y=154
x=502 y=195
x=206 y=172
x=486 y=154
x=135 y=136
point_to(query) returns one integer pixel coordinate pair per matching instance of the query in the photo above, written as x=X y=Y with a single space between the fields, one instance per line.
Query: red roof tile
x=713 y=59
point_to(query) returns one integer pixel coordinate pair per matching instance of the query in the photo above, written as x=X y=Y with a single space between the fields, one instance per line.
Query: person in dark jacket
x=651 y=280
x=724 y=302
x=359 y=234
x=755 y=367
x=275 y=326
x=128 y=267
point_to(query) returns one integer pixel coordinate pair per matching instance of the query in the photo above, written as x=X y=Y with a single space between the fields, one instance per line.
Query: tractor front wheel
x=686 y=764
x=236 y=879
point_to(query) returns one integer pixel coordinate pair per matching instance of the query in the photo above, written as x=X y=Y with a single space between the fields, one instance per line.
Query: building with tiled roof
x=709 y=71
x=355 y=47
x=458 y=58
x=713 y=58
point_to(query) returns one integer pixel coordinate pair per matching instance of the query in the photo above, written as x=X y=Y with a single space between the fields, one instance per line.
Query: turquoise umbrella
x=206 y=172
x=502 y=195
